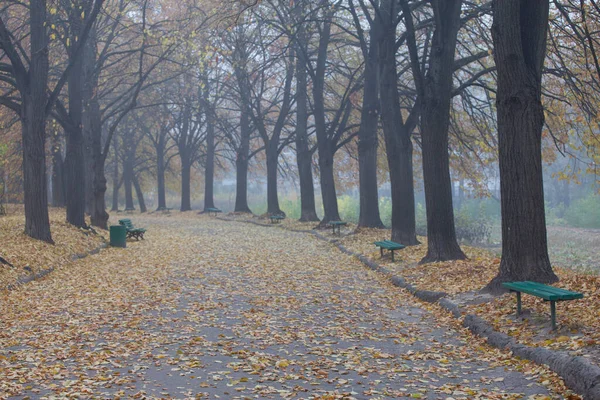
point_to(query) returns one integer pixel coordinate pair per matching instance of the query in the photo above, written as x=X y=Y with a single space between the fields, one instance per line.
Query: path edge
x=578 y=373
x=25 y=279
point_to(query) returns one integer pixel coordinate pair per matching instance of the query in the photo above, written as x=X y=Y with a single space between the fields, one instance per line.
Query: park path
x=212 y=309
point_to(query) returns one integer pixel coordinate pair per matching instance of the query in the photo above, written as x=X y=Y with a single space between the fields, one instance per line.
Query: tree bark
x=308 y=210
x=160 y=173
x=328 y=192
x=209 y=169
x=139 y=194
x=33 y=123
x=325 y=146
x=519 y=32
x=33 y=120
x=128 y=183
x=367 y=142
x=74 y=160
x=95 y=158
x=272 y=165
x=58 y=178
x=435 y=122
x=397 y=134
x=242 y=161
x=186 y=172
x=115 y=177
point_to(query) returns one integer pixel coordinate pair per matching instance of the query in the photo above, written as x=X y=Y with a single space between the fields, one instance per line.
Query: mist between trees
x=398 y=112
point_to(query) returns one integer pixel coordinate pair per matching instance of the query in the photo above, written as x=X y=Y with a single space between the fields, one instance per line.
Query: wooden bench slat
x=389 y=245
x=546 y=292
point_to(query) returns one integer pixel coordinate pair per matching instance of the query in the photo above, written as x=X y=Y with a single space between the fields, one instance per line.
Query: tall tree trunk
x=399 y=155
x=128 y=183
x=160 y=174
x=398 y=140
x=241 y=163
x=115 y=177
x=99 y=216
x=58 y=178
x=139 y=194
x=186 y=172
x=33 y=128
x=272 y=165
x=209 y=170
x=308 y=210
x=519 y=33
x=325 y=147
x=328 y=192
x=33 y=120
x=435 y=122
x=95 y=158
x=367 y=142
x=74 y=160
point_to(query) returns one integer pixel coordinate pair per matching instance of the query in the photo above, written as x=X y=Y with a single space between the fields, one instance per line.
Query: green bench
x=338 y=225
x=275 y=219
x=132 y=231
x=165 y=210
x=214 y=211
x=548 y=293
x=389 y=245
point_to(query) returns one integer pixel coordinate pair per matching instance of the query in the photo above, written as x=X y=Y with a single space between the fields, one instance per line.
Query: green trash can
x=118 y=236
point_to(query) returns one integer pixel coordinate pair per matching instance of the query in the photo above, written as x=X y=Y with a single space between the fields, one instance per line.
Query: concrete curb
x=25 y=279
x=578 y=373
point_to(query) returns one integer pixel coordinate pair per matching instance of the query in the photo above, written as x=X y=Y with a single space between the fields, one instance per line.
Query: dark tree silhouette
x=519 y=32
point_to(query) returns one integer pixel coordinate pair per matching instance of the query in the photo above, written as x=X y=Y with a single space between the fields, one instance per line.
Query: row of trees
x=150 y=85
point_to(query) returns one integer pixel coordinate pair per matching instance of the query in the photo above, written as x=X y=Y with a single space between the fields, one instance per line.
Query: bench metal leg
x=518 y=304
x=392 y=255
x=381 y=251
x=553 y=314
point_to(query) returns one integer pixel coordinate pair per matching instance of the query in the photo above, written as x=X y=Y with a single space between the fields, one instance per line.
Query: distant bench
x=389 y=245
x=338 y=225
x=132 y=231
x=213 y=211
x=275 y=219
x=548 y=293
x=165 y=210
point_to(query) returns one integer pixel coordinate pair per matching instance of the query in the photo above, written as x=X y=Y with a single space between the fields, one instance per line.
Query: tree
x=239 y=48
x=369 y=122
x=28 y=74
x=434 y=88
x=331 y=104
x=188 y=133
x=396 y=129
x=271 y=104
x=304 y=154
x=519 y=32
x=293 y=20
x=156 y=125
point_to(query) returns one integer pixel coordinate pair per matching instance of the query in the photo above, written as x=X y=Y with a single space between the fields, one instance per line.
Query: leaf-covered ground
x=30 y=256
x=216 y=309
x=579 y=321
